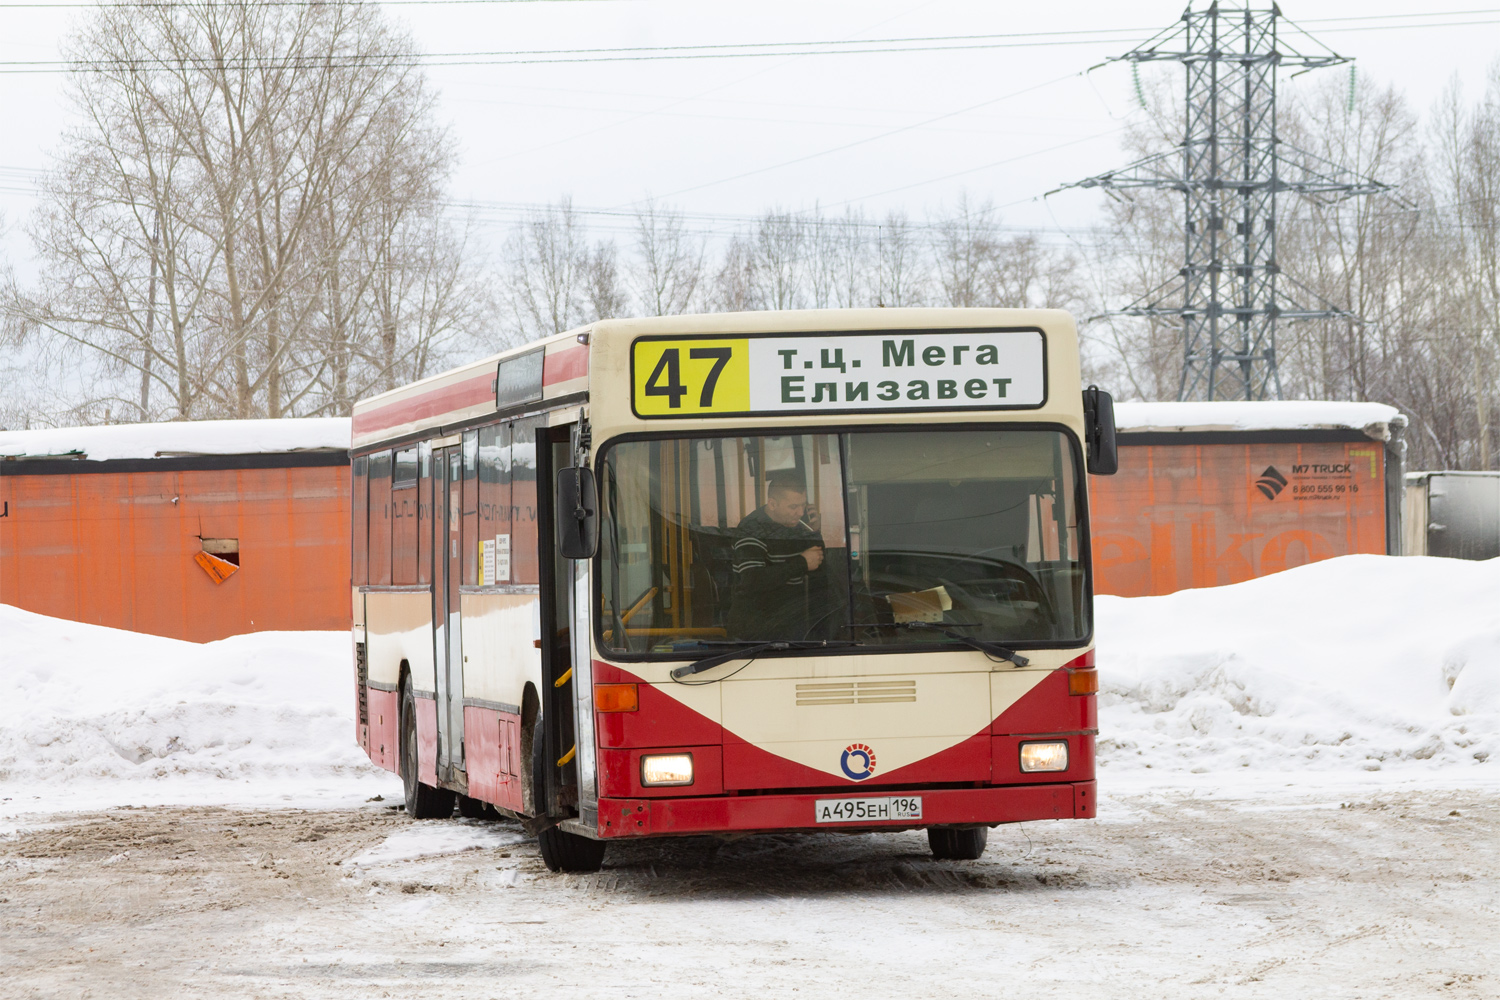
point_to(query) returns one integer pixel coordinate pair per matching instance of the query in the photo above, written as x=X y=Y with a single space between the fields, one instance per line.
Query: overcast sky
x=733 y=136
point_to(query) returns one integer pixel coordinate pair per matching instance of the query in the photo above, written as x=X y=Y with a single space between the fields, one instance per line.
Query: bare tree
x=1139 y=254
x=606 y=294
x=902 y=274
x=780 y=250
x=666 y=274
x=430 y=302
x=1416 y=272
x=1468 y=149
x=546 y=260
x=851 y=263
x=554 y=279
x=734 y=288
x=222 y=222
x=965 y=246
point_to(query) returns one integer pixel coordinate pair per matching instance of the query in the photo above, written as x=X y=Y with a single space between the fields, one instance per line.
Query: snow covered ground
x=179 y=437
x=1298 y=797
x=1171 y=896
x=1327 y=673
x=1261 y=415
x=97 y=716
x=1358 y=663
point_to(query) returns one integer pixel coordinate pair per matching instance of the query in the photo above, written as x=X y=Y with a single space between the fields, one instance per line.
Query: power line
x=1102 y=35
x=624 y=221
x=860 y=142
x=175 y=4
x=296 y=3
x=520 y=57
x=677 y=101
x=705 y=116
x=1394 y=17
x=727 y=50
x=800 y=105
x=1406 y=27
x=521 y=209
x=984 y=166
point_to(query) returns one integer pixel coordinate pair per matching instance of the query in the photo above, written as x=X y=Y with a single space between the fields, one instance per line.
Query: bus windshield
x=841 y=536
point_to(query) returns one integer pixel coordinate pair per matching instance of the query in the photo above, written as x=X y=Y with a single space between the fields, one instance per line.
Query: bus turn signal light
x=1083 y=681
x=616 y=697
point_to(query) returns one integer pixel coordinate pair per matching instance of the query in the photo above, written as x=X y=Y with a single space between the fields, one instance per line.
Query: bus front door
x=568 y=687
x=447 y=568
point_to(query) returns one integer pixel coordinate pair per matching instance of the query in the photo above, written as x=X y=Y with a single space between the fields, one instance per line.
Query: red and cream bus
x=823 y=570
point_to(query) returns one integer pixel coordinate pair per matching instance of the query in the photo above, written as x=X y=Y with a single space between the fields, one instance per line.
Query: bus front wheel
x=422 y=801
x=949 y=844
x=568 y=852
x=561 y=851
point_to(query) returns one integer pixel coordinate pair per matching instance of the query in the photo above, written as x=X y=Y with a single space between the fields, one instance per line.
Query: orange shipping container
x=193 y=531
x=1216 y=493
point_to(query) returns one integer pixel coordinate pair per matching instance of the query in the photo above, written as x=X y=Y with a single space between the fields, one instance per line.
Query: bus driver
x=776 y=558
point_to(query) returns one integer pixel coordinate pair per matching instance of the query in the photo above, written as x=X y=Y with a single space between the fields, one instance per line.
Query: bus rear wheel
x=422 y=801
x=470 y=808
x=949 y=844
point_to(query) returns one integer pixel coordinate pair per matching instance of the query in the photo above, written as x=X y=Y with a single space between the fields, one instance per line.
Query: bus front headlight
x=667 y=769
x=1050 y=756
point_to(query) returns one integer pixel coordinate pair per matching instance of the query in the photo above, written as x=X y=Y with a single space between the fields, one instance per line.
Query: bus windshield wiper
x=749 y=649
x=946 y=628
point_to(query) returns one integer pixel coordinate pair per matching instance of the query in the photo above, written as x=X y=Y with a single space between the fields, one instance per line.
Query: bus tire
x=561 y=851
x=568 y=852
x=470 y=808
x=949 y=844
x=422 y=801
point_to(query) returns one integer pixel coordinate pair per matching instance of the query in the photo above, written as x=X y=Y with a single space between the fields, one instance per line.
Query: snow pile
x=434 y=839
x=1356 y=662
x=96 y=715
x=181 y=437
x=1265 y=415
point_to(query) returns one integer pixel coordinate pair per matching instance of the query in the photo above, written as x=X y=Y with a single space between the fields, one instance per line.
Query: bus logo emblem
x=858 y=761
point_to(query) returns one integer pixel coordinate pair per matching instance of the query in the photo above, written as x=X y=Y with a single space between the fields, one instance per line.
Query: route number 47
x=666 y=377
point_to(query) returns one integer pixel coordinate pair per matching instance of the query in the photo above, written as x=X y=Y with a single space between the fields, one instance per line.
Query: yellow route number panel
x=678 y=378
x=839 y=372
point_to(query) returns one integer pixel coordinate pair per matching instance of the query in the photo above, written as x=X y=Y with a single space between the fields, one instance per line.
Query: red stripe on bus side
x=561 y=366
x=431 y=404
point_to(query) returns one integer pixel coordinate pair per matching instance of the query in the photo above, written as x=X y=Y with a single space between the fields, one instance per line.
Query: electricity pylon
x=1230 y=166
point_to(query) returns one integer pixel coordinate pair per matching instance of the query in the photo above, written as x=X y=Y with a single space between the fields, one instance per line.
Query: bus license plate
x=901 y=807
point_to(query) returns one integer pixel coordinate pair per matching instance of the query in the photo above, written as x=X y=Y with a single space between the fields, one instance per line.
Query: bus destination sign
x=895 y=370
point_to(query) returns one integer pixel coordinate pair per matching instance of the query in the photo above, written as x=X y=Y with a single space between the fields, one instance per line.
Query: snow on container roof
x=1374 y=419
x=178 y=438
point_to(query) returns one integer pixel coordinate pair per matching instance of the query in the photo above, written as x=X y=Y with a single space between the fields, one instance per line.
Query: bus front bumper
x=747 y=813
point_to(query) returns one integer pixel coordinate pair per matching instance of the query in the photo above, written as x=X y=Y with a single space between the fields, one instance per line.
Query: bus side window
x=470 y=536
x=1052 y=533
x=404 y=518
x=359 y=516
x=494 y=504
x=424 y=513
x=523 y=500
x=380 y=519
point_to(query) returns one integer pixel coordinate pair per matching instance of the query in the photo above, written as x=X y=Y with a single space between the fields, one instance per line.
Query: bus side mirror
x=1099 y=432
x=577 y=513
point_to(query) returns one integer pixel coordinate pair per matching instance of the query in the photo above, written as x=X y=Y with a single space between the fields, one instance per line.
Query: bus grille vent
x=856 y=693
x=362 y=680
